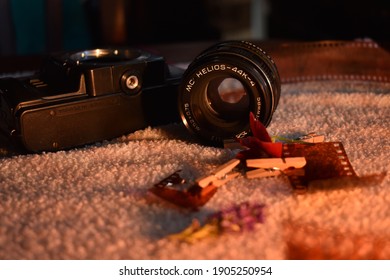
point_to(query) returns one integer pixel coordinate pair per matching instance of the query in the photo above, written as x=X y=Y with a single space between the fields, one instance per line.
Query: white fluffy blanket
x=93 y=202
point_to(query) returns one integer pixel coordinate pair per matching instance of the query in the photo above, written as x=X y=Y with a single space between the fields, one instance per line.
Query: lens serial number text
x=242 y=270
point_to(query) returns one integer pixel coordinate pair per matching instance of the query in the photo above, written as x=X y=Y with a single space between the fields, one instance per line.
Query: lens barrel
x=223 y=85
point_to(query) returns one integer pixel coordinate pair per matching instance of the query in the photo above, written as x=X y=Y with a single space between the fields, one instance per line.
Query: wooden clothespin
x=279 y=163
x=262 y=172
x=312 y=138
x=267 y=167
x=220 y=176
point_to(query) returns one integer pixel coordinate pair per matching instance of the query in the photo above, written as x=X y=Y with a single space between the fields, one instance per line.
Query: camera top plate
x=104 y=57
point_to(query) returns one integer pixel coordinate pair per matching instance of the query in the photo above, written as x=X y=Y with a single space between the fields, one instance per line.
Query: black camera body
x=89 y=96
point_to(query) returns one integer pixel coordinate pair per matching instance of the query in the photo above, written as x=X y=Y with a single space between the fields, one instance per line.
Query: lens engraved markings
x=242 y=73
x=257 y=114
x=211 y=68
x=202 y=72
x=242 y=134
x=191 y=82
x=218 y=67
x=190 y=120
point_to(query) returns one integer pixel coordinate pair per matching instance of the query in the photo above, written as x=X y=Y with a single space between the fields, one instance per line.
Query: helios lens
x=222 y=85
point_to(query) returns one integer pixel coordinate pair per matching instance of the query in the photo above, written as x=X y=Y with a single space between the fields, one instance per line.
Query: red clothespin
x=268 y=167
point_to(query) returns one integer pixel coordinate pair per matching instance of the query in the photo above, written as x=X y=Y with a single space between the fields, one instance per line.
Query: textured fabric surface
x=93 y=202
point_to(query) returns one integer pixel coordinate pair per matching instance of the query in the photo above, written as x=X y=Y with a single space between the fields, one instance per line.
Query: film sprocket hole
x=89 y=96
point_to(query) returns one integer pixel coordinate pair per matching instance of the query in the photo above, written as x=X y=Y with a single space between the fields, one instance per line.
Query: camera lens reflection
x=227 y=98
x=231 y=90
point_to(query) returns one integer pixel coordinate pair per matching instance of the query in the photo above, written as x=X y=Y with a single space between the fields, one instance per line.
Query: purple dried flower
x=239 y=218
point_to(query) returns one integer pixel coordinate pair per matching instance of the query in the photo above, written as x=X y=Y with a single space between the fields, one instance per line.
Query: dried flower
x=238 y=218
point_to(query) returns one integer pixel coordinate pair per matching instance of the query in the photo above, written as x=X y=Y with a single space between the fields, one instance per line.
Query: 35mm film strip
x=323 y=161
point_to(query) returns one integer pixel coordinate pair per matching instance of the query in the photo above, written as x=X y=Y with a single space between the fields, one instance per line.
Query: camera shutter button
x=130 y=83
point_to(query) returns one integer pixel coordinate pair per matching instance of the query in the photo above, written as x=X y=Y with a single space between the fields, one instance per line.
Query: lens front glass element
x=227 y=98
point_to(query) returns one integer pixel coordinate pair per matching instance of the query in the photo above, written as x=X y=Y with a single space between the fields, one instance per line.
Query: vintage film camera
x=89 y=96
x=84 y=97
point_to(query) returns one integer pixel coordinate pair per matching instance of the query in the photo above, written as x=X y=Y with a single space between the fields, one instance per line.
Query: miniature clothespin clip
x=220 y=176
x=312 y=137
x=173 y=179
x=267 y=167
x=194 y=194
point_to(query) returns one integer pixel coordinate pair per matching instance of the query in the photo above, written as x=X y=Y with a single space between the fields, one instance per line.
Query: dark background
x=41 y=26
x=330 y=19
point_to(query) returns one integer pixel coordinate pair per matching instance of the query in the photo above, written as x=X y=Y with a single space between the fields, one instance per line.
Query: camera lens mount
x=222 y=85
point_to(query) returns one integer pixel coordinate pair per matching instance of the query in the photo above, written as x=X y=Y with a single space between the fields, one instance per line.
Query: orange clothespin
x=220 y=176
x=267 y=167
